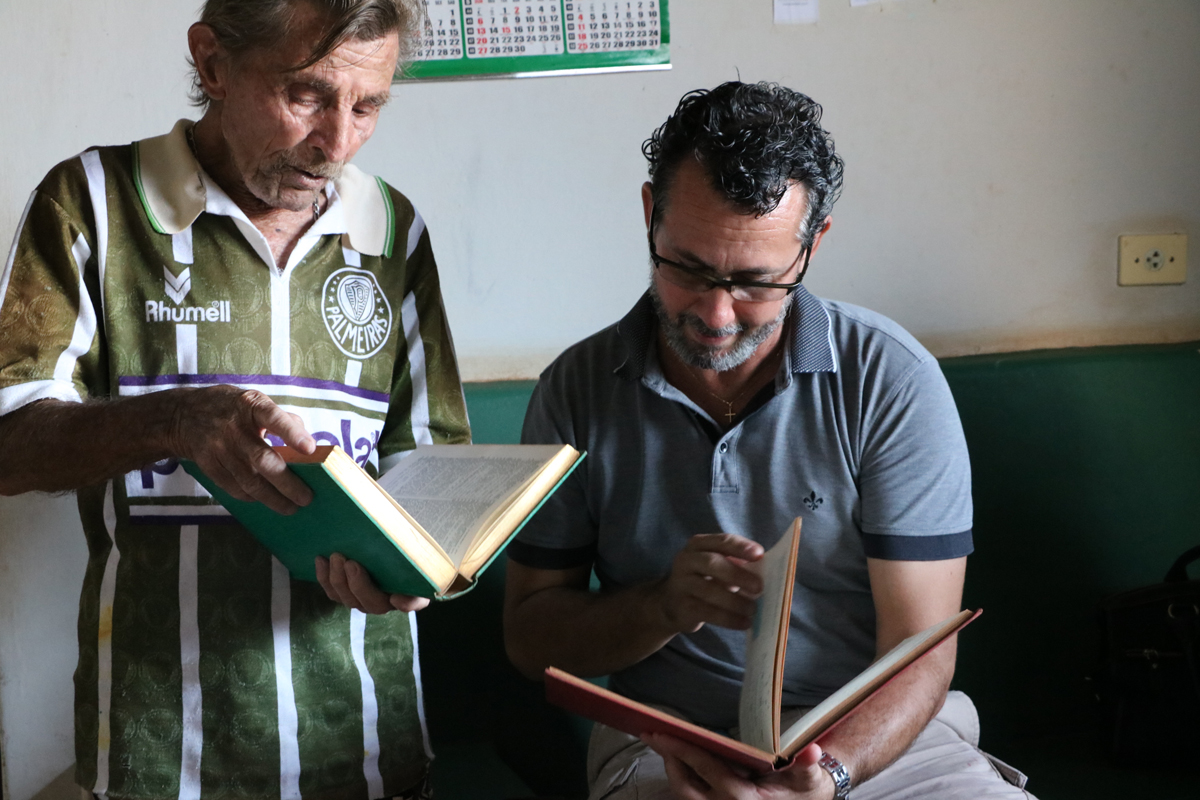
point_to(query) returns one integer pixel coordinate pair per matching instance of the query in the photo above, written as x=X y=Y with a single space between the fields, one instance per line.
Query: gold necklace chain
x=729 y=413
x=769 y=362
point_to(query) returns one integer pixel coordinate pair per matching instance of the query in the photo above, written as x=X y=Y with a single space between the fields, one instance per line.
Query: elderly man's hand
x=696 y=774
x=713 y=581
x=346 y=582
x=221 y=428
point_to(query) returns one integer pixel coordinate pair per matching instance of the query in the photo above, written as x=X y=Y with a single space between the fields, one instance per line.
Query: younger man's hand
x=712 y=581
x=696 y=774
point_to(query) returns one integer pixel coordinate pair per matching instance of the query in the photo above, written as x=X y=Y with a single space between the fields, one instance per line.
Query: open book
x=427 y=528
x=762 y=746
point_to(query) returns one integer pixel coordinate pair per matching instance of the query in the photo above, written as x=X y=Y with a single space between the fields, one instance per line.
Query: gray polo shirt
x=860 y=437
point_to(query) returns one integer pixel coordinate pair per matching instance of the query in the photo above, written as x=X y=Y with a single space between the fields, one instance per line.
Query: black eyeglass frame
x=726 y=283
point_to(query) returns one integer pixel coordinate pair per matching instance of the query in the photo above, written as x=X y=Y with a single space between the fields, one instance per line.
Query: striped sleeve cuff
x=22 y=394
x=918 y=548
x=531 y=555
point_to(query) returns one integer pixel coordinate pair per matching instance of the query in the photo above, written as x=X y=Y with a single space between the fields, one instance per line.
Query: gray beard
x=701 y=357
x=266 y=184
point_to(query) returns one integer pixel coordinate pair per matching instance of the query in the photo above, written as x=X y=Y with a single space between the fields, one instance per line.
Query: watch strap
x=837 y=771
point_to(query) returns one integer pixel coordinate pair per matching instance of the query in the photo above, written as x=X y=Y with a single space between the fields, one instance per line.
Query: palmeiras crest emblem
x=356 y=312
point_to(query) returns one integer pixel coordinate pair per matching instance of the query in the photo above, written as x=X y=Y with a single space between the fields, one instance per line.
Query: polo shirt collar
x=332 y=222
x=809 y=348
x=636 y=330
x=173 y=193
x=811 y=345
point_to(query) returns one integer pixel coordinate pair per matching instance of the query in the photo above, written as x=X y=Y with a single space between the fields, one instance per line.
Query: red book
x=763 y=747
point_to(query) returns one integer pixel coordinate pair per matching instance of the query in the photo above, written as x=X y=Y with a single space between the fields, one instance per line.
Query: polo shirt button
x=723 y=447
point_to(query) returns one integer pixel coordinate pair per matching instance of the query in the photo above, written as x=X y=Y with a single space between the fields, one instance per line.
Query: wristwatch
x=841 y=778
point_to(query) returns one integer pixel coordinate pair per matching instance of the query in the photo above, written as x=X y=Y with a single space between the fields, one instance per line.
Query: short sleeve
x=915 y=479
x=562 y=534
x=49 y=323
x=427 y=404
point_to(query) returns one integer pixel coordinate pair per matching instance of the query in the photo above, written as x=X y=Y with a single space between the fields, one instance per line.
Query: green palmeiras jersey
x=204 y=669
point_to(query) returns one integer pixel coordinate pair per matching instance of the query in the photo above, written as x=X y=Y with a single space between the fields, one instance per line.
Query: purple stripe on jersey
x=182 y=519
x=254 y=380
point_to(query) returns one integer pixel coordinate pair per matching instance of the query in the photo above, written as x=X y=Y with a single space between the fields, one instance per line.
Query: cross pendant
x=729 y=415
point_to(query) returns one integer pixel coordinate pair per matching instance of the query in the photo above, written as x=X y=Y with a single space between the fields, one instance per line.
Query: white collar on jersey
x=168 y=180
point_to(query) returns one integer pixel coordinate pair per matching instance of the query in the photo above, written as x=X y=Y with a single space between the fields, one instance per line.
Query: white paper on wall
x=797 y=12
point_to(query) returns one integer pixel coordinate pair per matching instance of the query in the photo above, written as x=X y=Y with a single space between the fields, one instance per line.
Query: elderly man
x=189 y=296
x=726 y=403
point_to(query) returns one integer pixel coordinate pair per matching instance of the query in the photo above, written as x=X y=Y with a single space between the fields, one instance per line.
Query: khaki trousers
x=943 y=763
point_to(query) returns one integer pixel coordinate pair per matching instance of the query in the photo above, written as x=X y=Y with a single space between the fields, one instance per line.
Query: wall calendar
x=506 y=38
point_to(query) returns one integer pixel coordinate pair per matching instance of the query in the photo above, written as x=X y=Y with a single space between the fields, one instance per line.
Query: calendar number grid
x=494 y=38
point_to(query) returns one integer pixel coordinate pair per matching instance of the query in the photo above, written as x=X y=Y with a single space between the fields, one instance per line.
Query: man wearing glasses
x=727 y=402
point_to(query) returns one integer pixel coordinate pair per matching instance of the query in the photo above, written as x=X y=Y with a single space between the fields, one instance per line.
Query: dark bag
x=1151 y=673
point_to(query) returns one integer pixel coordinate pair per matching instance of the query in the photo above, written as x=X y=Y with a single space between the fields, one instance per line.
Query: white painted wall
x=995 y=149
x=42 y=558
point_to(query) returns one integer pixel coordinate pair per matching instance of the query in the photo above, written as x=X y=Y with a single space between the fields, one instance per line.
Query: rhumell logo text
x=218 y=311
x=177 y=288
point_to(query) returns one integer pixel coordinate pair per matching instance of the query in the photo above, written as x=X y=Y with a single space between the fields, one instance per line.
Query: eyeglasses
x=699 y=281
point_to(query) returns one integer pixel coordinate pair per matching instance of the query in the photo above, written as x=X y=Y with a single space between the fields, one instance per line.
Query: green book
x=427 y=528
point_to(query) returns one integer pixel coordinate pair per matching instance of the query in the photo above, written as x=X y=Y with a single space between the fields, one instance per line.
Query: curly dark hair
x=753 y=141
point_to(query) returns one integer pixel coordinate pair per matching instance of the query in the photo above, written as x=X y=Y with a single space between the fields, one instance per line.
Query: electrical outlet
x=1146 y=260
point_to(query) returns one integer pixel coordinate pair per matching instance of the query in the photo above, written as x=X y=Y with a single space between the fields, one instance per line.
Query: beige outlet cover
x=1154 y=259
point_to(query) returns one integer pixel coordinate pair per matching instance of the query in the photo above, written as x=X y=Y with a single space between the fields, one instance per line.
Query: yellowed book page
x=398 y=524
x=766 y=645
x=505 y=519
x=452 y=489
x=816 y=721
